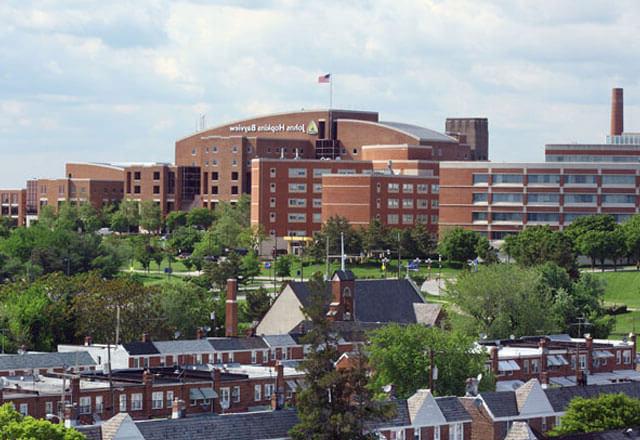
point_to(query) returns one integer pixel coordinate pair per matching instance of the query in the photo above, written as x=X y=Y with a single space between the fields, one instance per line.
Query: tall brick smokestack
x=231 y=318
x=617 y=112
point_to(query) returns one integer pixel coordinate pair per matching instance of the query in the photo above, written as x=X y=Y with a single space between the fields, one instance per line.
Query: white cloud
x=123 y=80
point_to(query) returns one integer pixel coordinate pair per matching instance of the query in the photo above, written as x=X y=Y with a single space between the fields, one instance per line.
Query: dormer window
x=346 y=292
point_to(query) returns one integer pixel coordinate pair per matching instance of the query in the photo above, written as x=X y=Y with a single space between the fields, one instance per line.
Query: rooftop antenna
x=342 y=257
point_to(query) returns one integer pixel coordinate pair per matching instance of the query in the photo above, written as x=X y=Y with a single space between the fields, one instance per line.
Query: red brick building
x=13 y=205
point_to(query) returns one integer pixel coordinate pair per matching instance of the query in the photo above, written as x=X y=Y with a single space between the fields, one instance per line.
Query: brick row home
x=149 y=393
x=421 y=417
x=561 y=360
x=30 y=363
x=494 y=413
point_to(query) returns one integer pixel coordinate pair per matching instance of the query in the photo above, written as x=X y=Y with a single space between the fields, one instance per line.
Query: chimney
x=88 y=340
x=231 y=316
x=588 y=340
x=542 y=344
x=544 y=379
x=147 y=381
x=216 y=375
x=617 y=112
x=277 y=398
x=146 y=337
x=178 y=409
x=493 y=353
x=200 y=333
x=75 y=390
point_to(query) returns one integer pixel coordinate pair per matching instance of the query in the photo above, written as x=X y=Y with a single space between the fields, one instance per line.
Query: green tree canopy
x=14 y=425
x=602 y=413
x=198 y=218
x=400 y=356
x=461 y=245
x=503 y=300
x=537 y=245
x=331 y=230
x=150 y=216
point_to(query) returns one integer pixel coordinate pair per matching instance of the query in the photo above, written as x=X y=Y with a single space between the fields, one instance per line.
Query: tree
x=332 y=229
x=375 y=237
x=595 y=245
x=175 y=220
x=143 y=251
x=459 y=244
x=150 y=216
x=631 y=230
x=183 y=306
x=127 y=217
x=602 y=413
x=503 y=300
x=401 y=356
x=257 y=305
x=89 y=218
x=282 y=266
x=14 y=425
x=216 y=274
x=134 y=301
x=581 y=225
x=335 y=404
x=537 y=245
x=200 y=218
x=250 y=265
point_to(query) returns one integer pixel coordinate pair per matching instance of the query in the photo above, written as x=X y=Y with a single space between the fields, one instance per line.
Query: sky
x=121 y=81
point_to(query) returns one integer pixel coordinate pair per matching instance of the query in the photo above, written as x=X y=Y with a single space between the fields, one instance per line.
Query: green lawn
x=622 y=287
x=625 y=324
x=176 y=266
x=367 y=270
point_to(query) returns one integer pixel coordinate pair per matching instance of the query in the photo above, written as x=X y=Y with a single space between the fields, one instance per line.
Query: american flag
x=326 y=78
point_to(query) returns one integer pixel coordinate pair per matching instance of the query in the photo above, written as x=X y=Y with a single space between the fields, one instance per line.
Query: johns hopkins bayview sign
x=310 y=128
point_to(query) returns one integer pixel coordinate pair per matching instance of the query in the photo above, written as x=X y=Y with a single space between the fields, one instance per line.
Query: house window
x=235 y=394
x=317 y=187
x=157 y=400
x=193 y=151
x=422 y=188
x=99 y=404
x=156 y=175
x=583 y=362
x=618 y=357
x=297 y=172
x=214 y=175
x=234 y=190
x=136 y=402
x=265 y=355
x=393 y=187
x=156 y=189
x=136 y=175
x=526 y=366
x=626 y=355
x=297 y=187
x=435 y=188
x=224 y=397
x=272 y=217
x=234 y=175
x=456 y=431
x=123 y=403
x=254 y=357
x=85 y=405
x=407 y=187
x=231 y=357
x=535 y=365
x=407 y=203
x=392 y=219
x=407 y=219
x=392 y=203
x=136 y=189
x=214 y=189
x=24 y=409
x=268 y=390
x=272 y=172
x=48 y=407
x=272 y=187
x=169 y=399
x=257 y=393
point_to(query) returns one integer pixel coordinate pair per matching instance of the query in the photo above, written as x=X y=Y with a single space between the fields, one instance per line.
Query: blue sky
x=84 y=80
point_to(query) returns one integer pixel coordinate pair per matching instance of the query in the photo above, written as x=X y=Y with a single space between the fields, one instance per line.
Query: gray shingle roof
x=501 y=403
x=244 y=426
x=375 y=300
x=183 y=346
x=560 y=397
x=422 y=133
x=140 y=348
x=44 y=360
x=400 y=417
x=452 y=409
x=279 y=340
x=232 y=344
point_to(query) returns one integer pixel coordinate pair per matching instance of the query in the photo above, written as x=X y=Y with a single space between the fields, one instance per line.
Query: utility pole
x=117 y=324
x=326 y=273
x=113 y=405
x=398 y=254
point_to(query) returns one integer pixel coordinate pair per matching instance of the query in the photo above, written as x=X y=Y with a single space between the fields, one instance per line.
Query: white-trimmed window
x=407 y=203
x=123 y=402
x=422 y=219
x=393 y=203
x=435 y=188
x=272 y=187
x=407 y=188
x=456 y=431
x=407 y=219
x=272 y=217
x=99 y=404
x=48 y=407
x=268 y=390
x=626 y=356
x=422 y=203
x=436 y=433
x=169 y=399
x=24 y=409
x=85 y=405
x=346 y=171
x=272 y=202
x=224 y=397
x=392 y=219
x=136 y=402
x=235 y=394
x=317 y=203
x=297 y=187
x=422 y=188
x=317 y=217
x=297 y=217
x=318 y=172
x=257 y=393
x=254 y=357
x=272 y=172
x=157 y=400
x=317 y=187
x=393 y=187
x=297 y=172
x=434 y=219
x=297 y=203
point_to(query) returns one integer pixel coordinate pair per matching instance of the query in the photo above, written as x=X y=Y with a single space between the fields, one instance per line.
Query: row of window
x=421 y=188
x=553 y=198
x=408 y=219
x=553 y=179
x=544 y=217
x=197 y=358
x=137 y=175
x=297 y=217
x=214 y=162
x=408 y=203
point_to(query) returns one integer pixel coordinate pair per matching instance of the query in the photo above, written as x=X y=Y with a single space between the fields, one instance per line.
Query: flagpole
x=330 y=91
